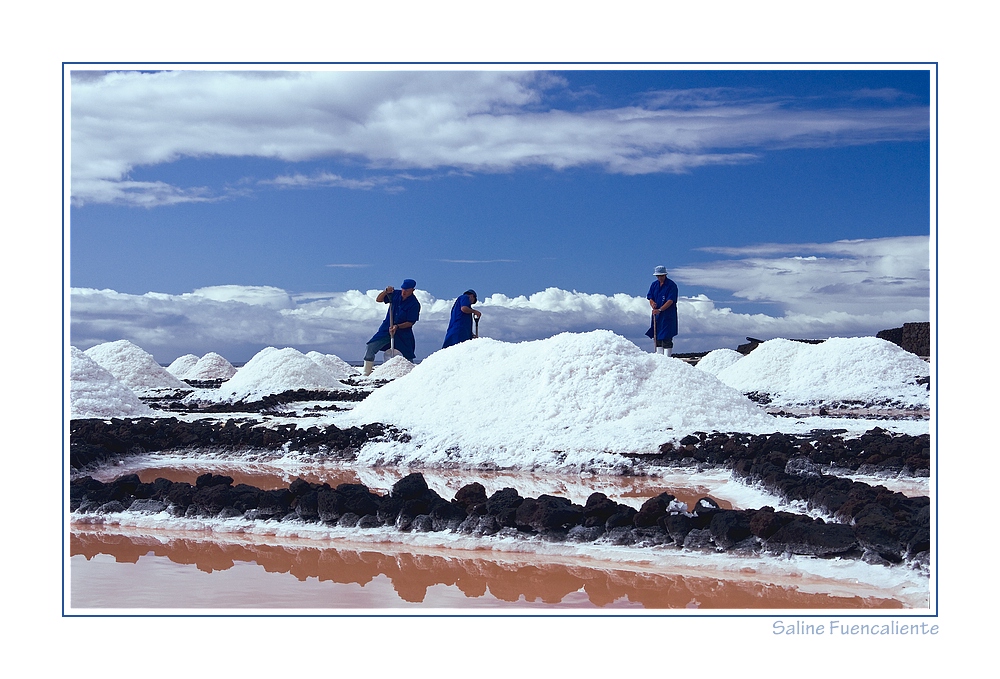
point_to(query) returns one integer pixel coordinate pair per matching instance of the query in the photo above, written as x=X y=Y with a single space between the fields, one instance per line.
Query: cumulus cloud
x=856 y=288
x=472 y=121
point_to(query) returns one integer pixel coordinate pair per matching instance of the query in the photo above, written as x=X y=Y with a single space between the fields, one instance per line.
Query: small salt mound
x=334 y=365
x=211 y=366
x=273 y=371
x=572 y=400
x=715 y=361
x=394 y=368
x=135 y=368
x=182 y=365
x=840 y=369
x=94 y=392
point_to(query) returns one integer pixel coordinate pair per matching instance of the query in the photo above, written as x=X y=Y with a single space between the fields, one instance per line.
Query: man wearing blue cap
x=405 y=310
x=462 y=313
x=662 y=298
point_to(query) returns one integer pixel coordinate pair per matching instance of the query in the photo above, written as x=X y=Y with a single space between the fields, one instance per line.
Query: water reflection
x=482 y=581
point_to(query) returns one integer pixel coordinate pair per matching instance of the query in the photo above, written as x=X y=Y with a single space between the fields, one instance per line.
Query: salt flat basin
x=686 y=484
x=187 y=563
x=380 y=568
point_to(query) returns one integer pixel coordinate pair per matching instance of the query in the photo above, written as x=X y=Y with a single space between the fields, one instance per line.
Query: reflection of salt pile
x=860 y=368
x=211 y=366
x=94 y=392
x=570 y=400
x=334 y=365
x=182 y=365
x=394 y=368
x=273 y=371
x=717 y=360
x=135 y=368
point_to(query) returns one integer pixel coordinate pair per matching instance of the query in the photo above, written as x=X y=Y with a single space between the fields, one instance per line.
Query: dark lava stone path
x=869 y=522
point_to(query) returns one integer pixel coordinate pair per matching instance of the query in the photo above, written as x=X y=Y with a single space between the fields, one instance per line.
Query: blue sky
x=287 y=191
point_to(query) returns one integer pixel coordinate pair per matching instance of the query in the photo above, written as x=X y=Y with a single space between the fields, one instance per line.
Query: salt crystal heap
x=182 y=365
x=573 y=400
x=715 y=361
x=136 y=369
x=273 y=371
x=865 y=369
x=94 y=392
x=334 y=365
x=211 y=366
x=394 y=368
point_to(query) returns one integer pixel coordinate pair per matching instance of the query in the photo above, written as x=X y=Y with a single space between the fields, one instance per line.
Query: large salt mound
x=840 y=369
x=715 y=361
x=182 y=365
x=273 y=371
x=135 y=368
x=94 y=392
x=334 y=365
x=573 y=400
x=394 y=368
x=211 y=366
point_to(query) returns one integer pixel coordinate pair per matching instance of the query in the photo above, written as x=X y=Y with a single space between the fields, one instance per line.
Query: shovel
x=654 y=333
x=475 y=333
x=392 y=352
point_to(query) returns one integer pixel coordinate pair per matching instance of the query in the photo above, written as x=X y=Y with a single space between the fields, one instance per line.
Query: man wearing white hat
x=662 y=298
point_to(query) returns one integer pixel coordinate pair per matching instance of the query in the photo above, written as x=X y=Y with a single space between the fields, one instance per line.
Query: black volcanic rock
x=623 y=518
x=815 y=539
x=409 y=487
x=876 y=524
x=503 y=505
x=598 y=509
x=730 y=527
x=359 y=499
x=653 y=510
x=470 y=495
x=547 y=512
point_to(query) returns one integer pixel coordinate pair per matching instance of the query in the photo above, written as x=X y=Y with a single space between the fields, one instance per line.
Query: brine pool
x=157 y=563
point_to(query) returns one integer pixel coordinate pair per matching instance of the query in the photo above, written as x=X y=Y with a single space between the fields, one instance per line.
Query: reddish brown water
x=157 y=569
x=629 y=490
x=117 y=570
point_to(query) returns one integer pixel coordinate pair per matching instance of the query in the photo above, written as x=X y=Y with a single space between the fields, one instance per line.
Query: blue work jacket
x=666 y=321
x=403 y=310
x=460 y=327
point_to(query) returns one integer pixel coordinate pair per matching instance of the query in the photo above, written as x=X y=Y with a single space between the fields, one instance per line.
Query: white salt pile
x=573 y=400
x=181 y=365
x=840 y=369
x=135 y=368
x=211 y=366
x=715 y=361
x=334 y=365
x=394 y=368
x=273 y=371
x=94 y=392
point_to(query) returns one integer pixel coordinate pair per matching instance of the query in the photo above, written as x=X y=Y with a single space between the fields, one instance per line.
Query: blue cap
x=408 y=284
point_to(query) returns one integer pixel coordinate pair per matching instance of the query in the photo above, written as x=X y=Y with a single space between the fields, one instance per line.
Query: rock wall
x=868 y=523
x=913 y=337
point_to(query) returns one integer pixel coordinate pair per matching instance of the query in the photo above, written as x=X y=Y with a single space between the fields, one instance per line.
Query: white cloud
x=851 y=276
x=255 y=295
x=465 y=120
x=477 y=261
x=327 y=179
x=871 y=286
